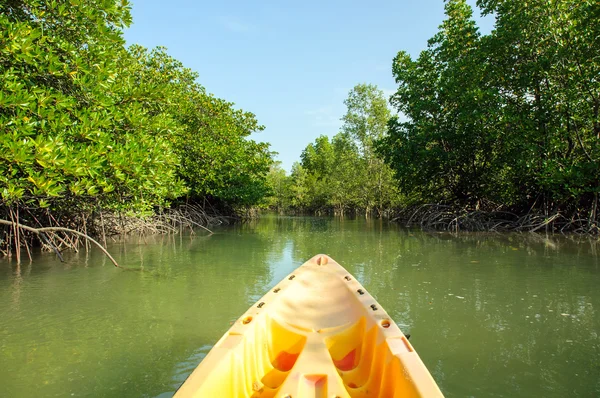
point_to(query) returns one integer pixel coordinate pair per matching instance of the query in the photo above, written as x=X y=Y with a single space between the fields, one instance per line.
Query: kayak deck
x=317 y=334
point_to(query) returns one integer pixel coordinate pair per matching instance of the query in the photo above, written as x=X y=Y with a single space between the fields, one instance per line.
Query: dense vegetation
x=507 y=121
x=343 y=174
x=88 y=124
x=511 y=117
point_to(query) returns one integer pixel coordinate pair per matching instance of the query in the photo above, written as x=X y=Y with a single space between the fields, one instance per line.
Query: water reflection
x=490 y=314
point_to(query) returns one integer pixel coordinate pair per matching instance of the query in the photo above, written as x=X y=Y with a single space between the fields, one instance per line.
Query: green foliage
x=506 y=118
x=366 y=117
x=445 y=149
x=552 y=113
x=87 y=123
x=221 y=162
x=347 y=174
x=280 y=188
x=344 y=173
x=300 y=187
x=66 y=132
x=365 y=123
x=211 y=137
x=317 y=159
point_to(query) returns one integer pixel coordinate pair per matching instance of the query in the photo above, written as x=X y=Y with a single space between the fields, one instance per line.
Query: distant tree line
x=344 y=174
x=88 y=124
x=505 y=121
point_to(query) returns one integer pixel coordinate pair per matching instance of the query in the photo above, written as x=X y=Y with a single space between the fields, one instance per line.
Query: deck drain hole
x=385 y=323
x=247 y=320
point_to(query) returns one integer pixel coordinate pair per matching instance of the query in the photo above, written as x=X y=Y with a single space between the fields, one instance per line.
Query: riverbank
x=101 y=137
x=441 y=217
x=455 y=219
x=69 y=230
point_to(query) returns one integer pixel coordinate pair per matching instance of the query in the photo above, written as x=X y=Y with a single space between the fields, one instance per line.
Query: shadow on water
x=490 y=314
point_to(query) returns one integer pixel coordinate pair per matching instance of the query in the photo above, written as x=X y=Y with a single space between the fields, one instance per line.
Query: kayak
x=316 y=334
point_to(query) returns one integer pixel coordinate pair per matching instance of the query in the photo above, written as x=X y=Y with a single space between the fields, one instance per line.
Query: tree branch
x=40 y=233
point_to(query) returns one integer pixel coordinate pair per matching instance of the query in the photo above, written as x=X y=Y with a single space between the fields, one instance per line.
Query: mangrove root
x=41 y=233
x=455 y=219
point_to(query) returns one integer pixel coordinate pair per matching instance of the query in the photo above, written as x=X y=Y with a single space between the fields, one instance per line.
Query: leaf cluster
x=87 y=123
x=344 y=173
x=509 y=118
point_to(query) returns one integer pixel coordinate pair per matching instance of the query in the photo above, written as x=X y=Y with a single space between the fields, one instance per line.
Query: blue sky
x=291 y=63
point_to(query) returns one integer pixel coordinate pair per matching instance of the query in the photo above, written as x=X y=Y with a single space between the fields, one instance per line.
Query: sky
x=291 y=63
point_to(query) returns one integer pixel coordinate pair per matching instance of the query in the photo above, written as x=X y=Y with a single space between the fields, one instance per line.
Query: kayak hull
x=319 y=334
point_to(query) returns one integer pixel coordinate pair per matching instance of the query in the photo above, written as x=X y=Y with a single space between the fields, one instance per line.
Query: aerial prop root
x=454 y=219
x=41 y=234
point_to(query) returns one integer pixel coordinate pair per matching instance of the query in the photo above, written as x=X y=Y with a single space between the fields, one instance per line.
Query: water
x=490 y=315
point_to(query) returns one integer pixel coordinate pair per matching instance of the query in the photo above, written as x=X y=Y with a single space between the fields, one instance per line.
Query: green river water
x=490 y=315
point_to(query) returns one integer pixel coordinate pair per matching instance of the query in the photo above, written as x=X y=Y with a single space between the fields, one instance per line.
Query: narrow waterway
x=490 y=315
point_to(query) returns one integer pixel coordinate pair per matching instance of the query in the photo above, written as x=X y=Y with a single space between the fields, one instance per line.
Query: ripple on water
x=88 y=329
x=184 y=368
